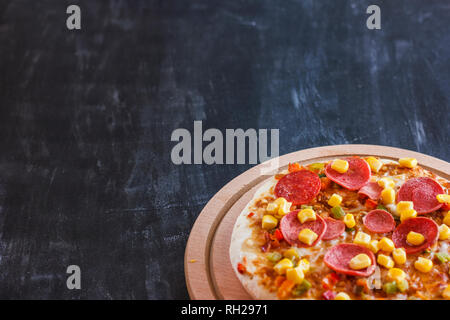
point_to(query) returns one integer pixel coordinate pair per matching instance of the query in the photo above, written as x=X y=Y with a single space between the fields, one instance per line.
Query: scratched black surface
x=86 y=118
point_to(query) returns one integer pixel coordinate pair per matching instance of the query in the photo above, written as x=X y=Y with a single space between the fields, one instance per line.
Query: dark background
x=86 y=118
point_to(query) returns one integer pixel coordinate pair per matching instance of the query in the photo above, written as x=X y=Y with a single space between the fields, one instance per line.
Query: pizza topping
x=388 y=195
x=360 y=261
x=371 y=190
x=374 y=163
x=335 y=200
x=422 y=191
x=295 y=275
x=386 y=245
x=307 y=236
x=447 y=219
x=362 y=238
x=306 y=215
x=399 y=256
x=424 y=226
x=373 y=246
x=443 y=198
x=269 y=222
x=408 y=162
x=283 y=206
x=385 y=261
x=444 y=232
x=338 y=258
x=349 y=220
x=379 y=221
x=283 y=265
x=423 y=265
x=357 y=175
x=291 y=227
x=386 y=182
x=414 y=238
x=334 y=229
x=298 y=187
x=337 y=212
x=339 y=165
x=342 y=296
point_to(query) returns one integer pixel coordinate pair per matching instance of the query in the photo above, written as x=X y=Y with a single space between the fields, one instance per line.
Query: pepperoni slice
x=371 y=190
x=334 y=229
x=290 y=228
x=425 y=226
x=339 y=256
x=298 y=187
x=422 y=192
x=379 y=221
x=357 y=175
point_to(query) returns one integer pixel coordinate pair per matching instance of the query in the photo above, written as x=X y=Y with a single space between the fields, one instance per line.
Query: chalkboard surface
x=86 y=118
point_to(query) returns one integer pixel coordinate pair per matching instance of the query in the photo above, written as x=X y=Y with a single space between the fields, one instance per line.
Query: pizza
x=353 y=228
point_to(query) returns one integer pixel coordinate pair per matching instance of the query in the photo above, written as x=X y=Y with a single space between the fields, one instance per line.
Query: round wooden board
x=207 y=266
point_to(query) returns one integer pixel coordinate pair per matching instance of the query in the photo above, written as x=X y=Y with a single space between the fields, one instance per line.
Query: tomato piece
x=278 y=234
x=241 y=268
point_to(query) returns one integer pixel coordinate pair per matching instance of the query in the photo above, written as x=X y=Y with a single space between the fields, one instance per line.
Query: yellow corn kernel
x=342 y=296
x=444 y=232
x=335 y=200
x=408 y=214
x=443 y=198
x=295 y=275
x=388 y=195
x=304 y=265
x=339 y=165
x=386 y=182
x=284 y=206
x=306 y=215
x=374 y=164
x=291 y=254
x=396 y=274
x=447 y=219
x=399 y=256
x=269 y=222
x=360 y=261
x=283 y=265
x=272 y=208
x=404 y=206
x=349 y=220
x=446 y=293
x=385 y=261
x=362 y=238
x=373 y=246
x=386 y=245
x=423 y=264
x=407 y=162
x=414 y=238
x=307 y=236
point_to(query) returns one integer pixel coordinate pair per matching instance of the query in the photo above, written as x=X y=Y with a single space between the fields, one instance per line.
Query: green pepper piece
x=305 y=206
x=381 y=207
x=442 y=257
x=274 y=256
x=322 y=175
x=390 y=287
x=302 y=288
x=338 y=212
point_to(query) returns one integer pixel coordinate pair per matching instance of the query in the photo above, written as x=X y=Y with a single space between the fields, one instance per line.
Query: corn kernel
x=385 y=261
x=269 y=222
x=388 y=195
x=447 y=219
x=335 y=200
x=386 y=245
x=403 y=285
x=362 y=238
x=404 y=206
x=283 y=265
x=399 y=256
x=408 y=162
x=374 y=164
x=386 y=182
x=446 y=293
x=396 y=274
x=408 y=214
x=295 y=275
x=272 y=208
x=373 y=246
x=349 y=220
x=306 y=215
x=342 y=296
x=414 y=238
x=443 y=198
x=423 y=264
x=339 y=165
x=360 y=261
x=291 y=254
x=444 y=232
x=284 y=206
x=307 y=236
x=303 y=265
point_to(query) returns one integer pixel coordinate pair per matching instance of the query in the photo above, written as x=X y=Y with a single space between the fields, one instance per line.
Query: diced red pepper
x=241 y=268
x=251 y=214
x=329 y=295
x=278 y=235
x=330 y=280
x=324 y=183
x=293 y=167
x=371 y=204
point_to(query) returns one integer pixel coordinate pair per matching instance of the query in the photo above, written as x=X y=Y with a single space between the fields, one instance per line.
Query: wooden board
x=207 y=264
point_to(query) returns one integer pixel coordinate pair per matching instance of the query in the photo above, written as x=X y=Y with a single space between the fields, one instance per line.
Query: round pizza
x=351 y=228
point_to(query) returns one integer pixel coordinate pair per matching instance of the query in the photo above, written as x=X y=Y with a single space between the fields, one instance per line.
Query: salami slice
x=425 y=226
x=371 y=190
x=422 y=192
x=339 y=256
x=357 y=175
x=290 y=228
x=298 y=187
x=334 y=229
x=379 y=221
